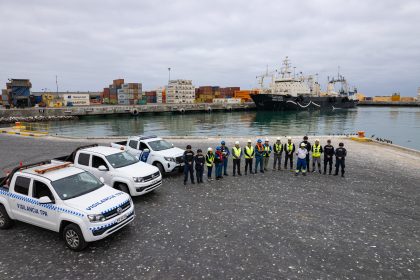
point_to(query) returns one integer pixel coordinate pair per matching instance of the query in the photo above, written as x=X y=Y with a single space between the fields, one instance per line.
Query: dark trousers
x=277 y=159
x=328 y=161
x=209 y=171
x=307 y=161
x=219 y=168
x=199 y=175
x=248 y=162
x=225 y=164
x=237 y=164
x=188 y=168
x=259 y=161
x=339 y=163
x=286 y=158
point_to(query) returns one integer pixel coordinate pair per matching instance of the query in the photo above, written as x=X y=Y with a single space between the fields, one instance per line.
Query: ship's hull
x=290 y=103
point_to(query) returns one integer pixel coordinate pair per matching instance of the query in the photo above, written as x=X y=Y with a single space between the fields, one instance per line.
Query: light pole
x=169 y=72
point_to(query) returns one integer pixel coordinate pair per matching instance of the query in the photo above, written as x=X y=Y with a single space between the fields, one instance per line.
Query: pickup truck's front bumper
x=143 y=188
x=97 y=231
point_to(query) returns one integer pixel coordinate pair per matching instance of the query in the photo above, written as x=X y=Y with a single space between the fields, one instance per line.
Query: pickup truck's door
x=133 y=148
x=151 y=157
x=97 y=161
x=47 y=216
x=19 y=203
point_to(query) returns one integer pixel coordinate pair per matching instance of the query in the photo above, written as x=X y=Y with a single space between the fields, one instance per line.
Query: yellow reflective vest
x=316 y=151
x=249 y=152
x=236 y=152
x=209 y=159
x=289 y=147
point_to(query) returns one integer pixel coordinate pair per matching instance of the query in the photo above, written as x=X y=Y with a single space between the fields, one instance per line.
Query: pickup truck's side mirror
x=102 y=168
x=102 y=180
x=146 y=150
x=172 y=145
x=45 y=200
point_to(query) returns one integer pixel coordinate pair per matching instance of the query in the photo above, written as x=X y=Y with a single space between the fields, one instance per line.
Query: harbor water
x=399 y=124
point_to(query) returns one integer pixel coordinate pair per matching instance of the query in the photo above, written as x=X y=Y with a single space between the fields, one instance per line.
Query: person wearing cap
x=340 y=159
x=237 y=155
x=328 y=156
x=249 y=153
x=267 y=153
x=218 y=160
x=308 y=149
x=188 y=165
x=199 y=161
x=316 y=155
x=259 y=152
x=289 y=149
x=277 y=151
x=226 y=153
x=301 y=159
x=209 y=163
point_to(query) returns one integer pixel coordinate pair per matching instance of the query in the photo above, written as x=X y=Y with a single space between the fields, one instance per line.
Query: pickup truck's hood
x=172 y=152
x=139 y=169
x=99 y=201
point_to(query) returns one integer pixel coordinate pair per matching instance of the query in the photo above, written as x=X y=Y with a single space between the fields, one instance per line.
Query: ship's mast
x=285 y=70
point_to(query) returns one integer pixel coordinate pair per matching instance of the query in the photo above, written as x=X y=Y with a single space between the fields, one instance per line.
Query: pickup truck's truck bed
x=122 y=143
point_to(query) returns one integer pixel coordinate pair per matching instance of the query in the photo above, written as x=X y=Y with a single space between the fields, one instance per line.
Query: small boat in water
x=291 y=92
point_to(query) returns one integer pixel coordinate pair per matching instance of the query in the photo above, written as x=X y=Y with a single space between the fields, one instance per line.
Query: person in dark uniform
x=308 y=148
x=199 y=161
x=188 y=165
x=226 y=154
x=289 y=150
x=340 y=159
x=328 y=156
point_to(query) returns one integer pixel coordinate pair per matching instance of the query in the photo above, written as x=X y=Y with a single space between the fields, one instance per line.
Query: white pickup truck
x=119 y=169
x=163 y=155
x=65 y=199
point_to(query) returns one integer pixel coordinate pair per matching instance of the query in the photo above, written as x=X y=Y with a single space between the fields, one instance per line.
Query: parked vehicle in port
x=64 y=199
x=119 y=169
x=163 y=155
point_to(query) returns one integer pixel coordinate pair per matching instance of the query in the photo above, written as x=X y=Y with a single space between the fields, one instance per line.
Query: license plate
x=122 y=218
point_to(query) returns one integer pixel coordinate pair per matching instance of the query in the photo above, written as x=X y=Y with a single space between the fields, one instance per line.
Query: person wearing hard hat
x=259 y=151
x=218 y=160
x=277 y=151
x=209 y=163
x=308 y=148
x=199 y=161
x=328 y=156
x=267 y=153
x=301 y=159
x=237 y=155
x=226 y=153
x=249 y=153
x=289 y=149
x=316 y=156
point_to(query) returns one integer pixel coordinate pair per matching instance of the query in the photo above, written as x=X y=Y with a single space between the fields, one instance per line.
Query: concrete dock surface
x=265 y=226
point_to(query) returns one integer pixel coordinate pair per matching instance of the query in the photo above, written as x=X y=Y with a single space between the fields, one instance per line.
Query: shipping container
x=123 y=102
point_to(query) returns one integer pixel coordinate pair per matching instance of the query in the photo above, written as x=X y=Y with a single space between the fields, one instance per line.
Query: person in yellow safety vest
x=249 y=153
x=316 y=155
x=289 y=149
x=209 y=163
x=237 y=154
x=278 y=150
x=266 y=154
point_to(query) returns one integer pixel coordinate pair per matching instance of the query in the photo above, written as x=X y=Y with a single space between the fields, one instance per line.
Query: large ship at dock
x=289 y=91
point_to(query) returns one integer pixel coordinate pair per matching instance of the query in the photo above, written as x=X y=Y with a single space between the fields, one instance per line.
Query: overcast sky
x=219 y=42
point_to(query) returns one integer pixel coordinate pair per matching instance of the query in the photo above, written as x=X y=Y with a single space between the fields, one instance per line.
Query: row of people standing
x=262 y=152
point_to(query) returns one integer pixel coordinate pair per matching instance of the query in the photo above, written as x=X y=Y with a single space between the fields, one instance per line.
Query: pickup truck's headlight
x=138 y=179
x=96 y=218
x=169 y=159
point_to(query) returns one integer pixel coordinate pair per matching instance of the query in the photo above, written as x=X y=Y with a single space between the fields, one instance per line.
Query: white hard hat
x=249 y=141
x=302 y=145
x=210 y=149
x=278 y=138
x=236 y=142
x=266 y=140
x=316 y=140
x=289 y=138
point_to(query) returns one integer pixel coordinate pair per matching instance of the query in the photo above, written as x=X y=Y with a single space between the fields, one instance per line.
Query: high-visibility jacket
x=236 y=152
x=209 y=159
x=259 y=150
x=316 y=151
x=278 y=148
x=249 y=152
x=289 y=147
x=267 y=150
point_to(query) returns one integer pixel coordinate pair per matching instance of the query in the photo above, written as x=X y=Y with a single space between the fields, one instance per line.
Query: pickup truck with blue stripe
x=65 y=199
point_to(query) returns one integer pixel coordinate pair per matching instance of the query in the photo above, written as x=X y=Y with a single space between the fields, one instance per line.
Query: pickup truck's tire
x=160 y=167
x=5 y=221
x=73 y=238
x=122 y=187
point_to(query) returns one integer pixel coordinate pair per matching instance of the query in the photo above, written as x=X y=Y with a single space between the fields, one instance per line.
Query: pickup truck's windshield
x=76 y=185
x=121 y=159
x=160 y=145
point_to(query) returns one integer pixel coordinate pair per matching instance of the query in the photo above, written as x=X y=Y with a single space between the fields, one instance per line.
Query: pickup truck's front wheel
x=160 y=167
x=5 y=221
x=74 y=238
x=123 y=187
